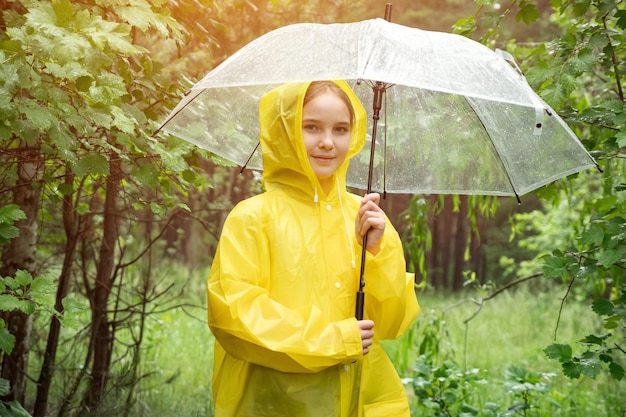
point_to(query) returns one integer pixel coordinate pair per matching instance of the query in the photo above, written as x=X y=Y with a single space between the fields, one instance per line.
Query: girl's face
x=326 y=132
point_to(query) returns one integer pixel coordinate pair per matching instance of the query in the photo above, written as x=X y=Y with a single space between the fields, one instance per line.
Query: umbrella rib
x=177 y=111
x=506 y=172
x=250 y=157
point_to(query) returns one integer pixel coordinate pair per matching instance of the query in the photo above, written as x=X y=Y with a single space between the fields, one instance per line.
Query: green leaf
x=590 y=366
x=585 y=60
x=70 y=71
x=41 y=289
x=571 y=369
x=621 y=138
x=91 y=163
x=157 y=209
x=5 y=387
x=603 y=307
x=23 y=277
x=7 y=342
x=611 y=256
x=8 y=232
x=10 y=213
x=621 y=18
x=122 y=121
x=147 y=174
x=40 y=116
x=527 y=13
x=66 y=189
x=594 y=340
x=84 y=83
x=553 y=94
x=11 y=45
x=9 y=302
x=581 y=7
x=592 y=236
x=560 y=352
x=554 y=267
x=17 y=410
x=62 y=138
x=72 y=309
x=598 y=40
x=616 y=371
x=468 y=410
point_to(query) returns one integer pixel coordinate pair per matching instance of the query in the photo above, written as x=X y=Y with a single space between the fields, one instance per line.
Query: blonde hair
x=319 y=87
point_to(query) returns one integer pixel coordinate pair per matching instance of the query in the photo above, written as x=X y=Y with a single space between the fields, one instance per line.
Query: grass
x=180 y=354
x=510 y=330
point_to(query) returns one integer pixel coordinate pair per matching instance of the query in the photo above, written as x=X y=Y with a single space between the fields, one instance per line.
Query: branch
x=615 y=62
x=479 y=303
x=563 y=300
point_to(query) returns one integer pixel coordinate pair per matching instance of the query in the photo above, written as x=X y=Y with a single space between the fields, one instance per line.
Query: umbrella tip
x=388 y=12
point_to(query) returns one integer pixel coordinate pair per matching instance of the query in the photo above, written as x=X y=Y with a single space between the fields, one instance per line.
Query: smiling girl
x=282 y=285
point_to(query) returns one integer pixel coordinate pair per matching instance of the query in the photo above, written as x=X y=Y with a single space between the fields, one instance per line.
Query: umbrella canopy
x=457 y=117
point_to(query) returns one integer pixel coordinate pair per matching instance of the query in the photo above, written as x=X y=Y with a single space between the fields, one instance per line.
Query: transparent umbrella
x=448 y=115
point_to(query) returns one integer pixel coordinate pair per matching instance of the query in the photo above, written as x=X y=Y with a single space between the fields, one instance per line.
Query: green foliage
x=417 y=238
x=579 y=235
x=526 y=387
x=30 y=295
x=9 y=214
x=443 y=388
x=600 y=350
x=495 y=367
x=10 y=408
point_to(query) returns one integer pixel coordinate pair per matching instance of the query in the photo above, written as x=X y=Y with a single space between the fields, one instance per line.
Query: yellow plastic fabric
x=281 y=291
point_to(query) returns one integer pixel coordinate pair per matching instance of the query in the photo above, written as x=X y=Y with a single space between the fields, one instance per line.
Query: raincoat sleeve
x=253 y=327
x=390 y=299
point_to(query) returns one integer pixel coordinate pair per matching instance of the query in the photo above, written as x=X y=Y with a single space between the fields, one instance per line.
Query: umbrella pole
x=379 y=89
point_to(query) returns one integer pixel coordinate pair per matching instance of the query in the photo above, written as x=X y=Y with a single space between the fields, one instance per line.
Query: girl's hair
x=318 y=87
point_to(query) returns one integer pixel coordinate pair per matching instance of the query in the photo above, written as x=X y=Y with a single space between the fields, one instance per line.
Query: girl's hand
x=371 y=220
x=367 y=334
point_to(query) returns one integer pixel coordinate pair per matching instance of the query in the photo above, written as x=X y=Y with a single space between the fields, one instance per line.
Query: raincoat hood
x=285 y=159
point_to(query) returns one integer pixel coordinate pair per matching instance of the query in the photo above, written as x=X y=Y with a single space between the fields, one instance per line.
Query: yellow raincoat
x=281 y=291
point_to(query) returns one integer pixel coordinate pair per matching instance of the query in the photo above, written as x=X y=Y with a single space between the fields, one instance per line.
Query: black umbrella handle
x=360 y=295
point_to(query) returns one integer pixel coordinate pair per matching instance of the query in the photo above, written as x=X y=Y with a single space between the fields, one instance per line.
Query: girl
x=281 y=291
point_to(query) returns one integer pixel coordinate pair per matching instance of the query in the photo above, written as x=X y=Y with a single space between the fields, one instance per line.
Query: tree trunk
x=101 y=338
x=432 y=257
x=20 y=255
x=47 y=367
x=447 y=226
x=460 y=243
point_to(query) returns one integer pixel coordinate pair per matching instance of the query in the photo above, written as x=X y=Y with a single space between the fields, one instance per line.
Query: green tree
x=79 y=94
x=580 y=232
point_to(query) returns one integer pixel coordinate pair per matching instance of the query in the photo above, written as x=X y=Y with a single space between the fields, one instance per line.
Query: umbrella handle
x=360 y=301
x=360 y=295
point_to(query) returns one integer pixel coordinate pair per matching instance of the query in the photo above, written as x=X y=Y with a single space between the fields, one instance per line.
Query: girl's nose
x=326 y=141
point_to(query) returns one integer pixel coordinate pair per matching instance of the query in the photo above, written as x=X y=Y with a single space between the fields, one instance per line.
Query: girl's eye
x=343 y=129
x=310 y=128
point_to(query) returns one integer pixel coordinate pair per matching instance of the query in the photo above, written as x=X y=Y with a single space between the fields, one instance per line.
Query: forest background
x=105 y=228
